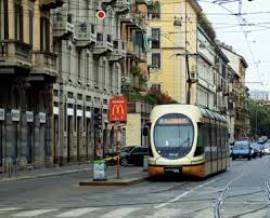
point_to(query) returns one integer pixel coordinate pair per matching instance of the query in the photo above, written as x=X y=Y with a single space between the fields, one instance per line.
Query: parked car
x=267 y=148
x=133 y=156
x=258 y=151
x=242 y=149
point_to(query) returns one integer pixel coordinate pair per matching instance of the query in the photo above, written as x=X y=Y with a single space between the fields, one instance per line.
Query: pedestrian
x=99 y=150
x=118 y=146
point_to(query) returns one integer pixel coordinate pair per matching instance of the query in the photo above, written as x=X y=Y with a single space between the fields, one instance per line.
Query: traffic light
x=98 y=119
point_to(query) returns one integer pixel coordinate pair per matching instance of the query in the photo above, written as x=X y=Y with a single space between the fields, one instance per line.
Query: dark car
x=242 y=149
x=133 y=156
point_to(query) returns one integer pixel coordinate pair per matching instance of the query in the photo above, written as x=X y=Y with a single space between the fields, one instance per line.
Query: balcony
x=85 y=35
x=134 y=21
x=63 y=25
x=13 y=55
x=122 y=7
x=103 y=46
x=44 y=65
x=51 y=4
x=119 y=50
x=108 y=2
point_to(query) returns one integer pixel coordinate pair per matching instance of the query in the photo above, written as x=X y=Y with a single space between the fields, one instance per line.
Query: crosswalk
x=101 y=212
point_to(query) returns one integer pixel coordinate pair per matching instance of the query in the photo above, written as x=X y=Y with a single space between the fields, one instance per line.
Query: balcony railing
x=119 y=50
x=85 y=34
x=108 y=2
x=103 y=44
x=122 y=7
x=50 y=4
x=62 y=24
x=15 y=53
x=44 y=63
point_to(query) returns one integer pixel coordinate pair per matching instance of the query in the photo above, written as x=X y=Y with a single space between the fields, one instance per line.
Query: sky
x=248 y=34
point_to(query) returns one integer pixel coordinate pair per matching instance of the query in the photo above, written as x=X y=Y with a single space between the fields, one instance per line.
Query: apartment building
x=239 y=94
x=27 y=71
x=91 y=60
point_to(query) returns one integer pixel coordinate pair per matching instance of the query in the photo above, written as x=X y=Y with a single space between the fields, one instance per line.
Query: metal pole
x=118 y=152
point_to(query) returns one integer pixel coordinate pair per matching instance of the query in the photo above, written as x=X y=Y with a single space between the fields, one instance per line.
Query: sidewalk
x=126 y=172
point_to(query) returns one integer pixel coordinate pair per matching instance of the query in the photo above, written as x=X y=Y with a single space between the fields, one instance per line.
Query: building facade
x=27 y=71
x=239 y=94
x=185 y=59
x=92 y=59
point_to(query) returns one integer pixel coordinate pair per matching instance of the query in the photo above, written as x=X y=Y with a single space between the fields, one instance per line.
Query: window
x=96 y=72
x=44 y=34
x=156 y=60
x=155 y=38
x=104 y=74
x=31 y=15
x=18 y=19
x=87 y=67
x=116 y=78
x=154 y=11
x=3 y=19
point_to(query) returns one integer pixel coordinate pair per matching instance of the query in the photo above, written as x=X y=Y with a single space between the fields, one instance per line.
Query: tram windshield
x=173 y=131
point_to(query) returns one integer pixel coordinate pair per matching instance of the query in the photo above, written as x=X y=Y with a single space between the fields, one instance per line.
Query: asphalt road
x=242 y=191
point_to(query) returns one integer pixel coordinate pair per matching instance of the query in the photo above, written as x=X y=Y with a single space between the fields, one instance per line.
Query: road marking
x=7 y=209
x=184 y=194
x=119 y=213
x=77 y=212
x=33 y=213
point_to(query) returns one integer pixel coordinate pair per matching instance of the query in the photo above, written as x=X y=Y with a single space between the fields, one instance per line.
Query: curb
x=115 y=182
x=44 y=175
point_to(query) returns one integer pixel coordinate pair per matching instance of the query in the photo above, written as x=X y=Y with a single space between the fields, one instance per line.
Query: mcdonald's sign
x=117 y=109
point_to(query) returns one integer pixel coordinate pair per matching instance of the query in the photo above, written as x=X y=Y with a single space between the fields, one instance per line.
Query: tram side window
x=201 y=140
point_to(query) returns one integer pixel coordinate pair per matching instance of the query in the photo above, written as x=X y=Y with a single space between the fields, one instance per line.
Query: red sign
x=118 y=109
x=101 y=14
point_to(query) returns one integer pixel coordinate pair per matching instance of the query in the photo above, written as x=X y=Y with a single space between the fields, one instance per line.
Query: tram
x=187 y=139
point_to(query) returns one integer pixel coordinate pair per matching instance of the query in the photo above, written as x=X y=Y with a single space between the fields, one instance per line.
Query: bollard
x=145 y=163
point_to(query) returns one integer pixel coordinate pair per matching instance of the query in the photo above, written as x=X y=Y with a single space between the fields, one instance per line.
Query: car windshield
x=241 y=145
x=173 y=130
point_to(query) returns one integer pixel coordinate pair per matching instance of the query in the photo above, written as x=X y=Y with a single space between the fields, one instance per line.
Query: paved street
x=239 y=192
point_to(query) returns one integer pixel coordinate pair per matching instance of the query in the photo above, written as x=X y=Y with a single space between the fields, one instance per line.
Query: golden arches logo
x=118 y=109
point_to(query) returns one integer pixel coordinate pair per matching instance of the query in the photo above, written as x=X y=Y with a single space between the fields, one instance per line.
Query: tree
x=259 y=118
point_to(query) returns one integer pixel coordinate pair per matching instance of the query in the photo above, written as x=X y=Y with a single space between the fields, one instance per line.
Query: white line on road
x=119 y=213
x=77 y=212
x=184 y=194
x=33 y=213
x=7 y=209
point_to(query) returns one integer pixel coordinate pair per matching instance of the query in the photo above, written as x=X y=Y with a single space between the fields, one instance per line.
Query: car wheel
x=124 y=162
x=233 y=157
x=249 y=158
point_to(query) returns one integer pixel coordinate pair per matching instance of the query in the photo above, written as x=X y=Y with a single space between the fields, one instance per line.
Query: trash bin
x=99 y=170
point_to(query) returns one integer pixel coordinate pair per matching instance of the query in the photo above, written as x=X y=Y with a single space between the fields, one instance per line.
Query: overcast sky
x=251 y=39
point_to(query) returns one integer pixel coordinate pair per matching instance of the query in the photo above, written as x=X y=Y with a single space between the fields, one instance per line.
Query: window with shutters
x=3 y=19
x=18 y=20
x=156 y=38
x=44 y=34
x=156 y=60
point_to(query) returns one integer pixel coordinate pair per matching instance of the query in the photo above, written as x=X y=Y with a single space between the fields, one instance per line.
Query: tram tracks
x=221 y=198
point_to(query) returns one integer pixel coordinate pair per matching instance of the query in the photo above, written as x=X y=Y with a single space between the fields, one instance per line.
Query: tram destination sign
x=173 y=121
x=117 y=109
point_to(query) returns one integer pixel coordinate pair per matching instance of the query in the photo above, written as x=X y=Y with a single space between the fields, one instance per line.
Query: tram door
x=211 y=146
x=69 y=132
x=79 y=131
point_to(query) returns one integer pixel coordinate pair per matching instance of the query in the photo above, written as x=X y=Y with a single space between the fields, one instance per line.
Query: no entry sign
x=118 y=109
x=101 y=14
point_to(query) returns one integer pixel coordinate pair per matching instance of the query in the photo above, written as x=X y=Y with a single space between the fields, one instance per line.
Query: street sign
x=101 y=15
x=118 y=109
